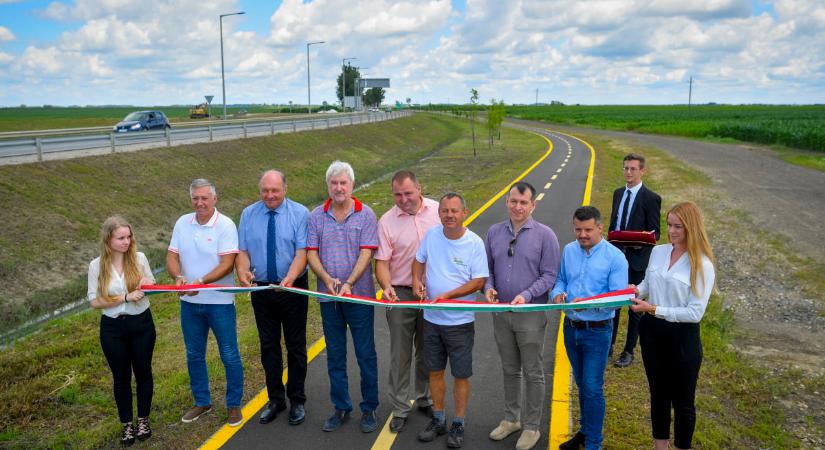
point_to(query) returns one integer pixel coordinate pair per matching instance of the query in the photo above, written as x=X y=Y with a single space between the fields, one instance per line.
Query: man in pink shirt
x=400 y=231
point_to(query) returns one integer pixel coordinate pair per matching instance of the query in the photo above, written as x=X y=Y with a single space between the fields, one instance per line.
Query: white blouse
x=117 y=287
x=669 y=288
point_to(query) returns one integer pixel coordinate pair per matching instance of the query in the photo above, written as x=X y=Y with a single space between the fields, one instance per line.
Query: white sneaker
x=528 y=439
x=504 y=429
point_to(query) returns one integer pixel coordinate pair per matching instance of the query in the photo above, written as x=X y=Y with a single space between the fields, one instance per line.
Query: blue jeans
x=587 y=350
x=195 y=321
x=336 y=316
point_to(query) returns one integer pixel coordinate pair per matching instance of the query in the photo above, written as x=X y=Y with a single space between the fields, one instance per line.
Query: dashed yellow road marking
x=540 y=196
x=385 y=438
x=547 y=186
x=554 y=177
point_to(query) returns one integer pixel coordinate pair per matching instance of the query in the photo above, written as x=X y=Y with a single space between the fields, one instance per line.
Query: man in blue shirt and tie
x=272 y=240
x=589 y=266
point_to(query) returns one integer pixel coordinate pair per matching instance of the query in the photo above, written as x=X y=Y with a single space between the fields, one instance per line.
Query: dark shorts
x=453 y=341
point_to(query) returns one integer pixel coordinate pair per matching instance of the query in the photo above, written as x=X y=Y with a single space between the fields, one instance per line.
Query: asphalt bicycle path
x=560 y=180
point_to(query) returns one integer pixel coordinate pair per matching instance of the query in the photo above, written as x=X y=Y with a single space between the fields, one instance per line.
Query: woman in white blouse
x=127 y=331
x=677 y=285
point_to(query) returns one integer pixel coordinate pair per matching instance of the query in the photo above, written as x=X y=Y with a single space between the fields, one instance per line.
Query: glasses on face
x=511 y=250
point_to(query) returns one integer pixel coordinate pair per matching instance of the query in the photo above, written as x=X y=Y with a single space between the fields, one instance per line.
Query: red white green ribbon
x=613 y=299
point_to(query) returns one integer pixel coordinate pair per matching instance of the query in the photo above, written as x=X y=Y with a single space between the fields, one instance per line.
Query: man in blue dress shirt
x=272 y=240
x=589 y=266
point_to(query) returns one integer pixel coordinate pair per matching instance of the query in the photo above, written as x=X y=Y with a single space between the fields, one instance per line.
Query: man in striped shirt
x=342 y=236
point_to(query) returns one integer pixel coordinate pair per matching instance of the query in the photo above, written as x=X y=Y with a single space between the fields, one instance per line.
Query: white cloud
x=5 y=34
x=596 y=51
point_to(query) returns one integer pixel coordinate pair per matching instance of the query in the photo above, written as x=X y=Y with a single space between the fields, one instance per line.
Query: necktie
x=271 y=249
x=625 y=210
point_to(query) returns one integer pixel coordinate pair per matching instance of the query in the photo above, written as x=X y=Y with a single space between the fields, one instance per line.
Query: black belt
x=265 y=283
x=583 y=324
x=405 y=287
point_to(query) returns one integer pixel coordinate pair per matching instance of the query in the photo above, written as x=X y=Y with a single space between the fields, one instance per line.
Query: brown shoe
x=194 y=413
x=234 y=416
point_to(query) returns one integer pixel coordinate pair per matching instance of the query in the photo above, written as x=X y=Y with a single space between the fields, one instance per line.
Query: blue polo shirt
x=290 y=232
x=584 y=274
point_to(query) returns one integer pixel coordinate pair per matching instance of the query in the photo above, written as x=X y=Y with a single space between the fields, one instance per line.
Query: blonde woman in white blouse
x=127 y=331
x=677 y=285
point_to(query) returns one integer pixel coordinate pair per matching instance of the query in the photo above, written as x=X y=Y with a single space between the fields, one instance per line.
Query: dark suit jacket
x=644 y=216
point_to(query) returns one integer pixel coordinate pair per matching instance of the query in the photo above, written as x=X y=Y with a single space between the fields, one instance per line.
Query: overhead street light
x=223 y=79
x=309 y=97
x=355 y=91
x=344 y=83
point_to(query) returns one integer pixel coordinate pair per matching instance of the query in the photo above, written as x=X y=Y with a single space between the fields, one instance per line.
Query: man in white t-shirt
x=455 y=265
x=202 y=251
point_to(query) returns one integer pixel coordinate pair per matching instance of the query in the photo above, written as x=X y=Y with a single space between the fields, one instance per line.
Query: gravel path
x=781 y=197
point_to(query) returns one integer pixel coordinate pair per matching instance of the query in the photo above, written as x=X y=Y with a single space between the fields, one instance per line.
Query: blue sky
x=597 y=52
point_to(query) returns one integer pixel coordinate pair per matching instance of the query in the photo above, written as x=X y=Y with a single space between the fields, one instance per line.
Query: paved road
x=71 y=143
x=555 y=208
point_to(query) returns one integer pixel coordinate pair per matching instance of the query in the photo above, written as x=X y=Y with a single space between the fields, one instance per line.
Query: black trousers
x=128 y=343
x=633 y=277
x=275 y=311
x=672 y=355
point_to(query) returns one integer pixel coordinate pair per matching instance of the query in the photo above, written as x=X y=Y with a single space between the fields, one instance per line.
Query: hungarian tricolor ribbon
x=613 y=299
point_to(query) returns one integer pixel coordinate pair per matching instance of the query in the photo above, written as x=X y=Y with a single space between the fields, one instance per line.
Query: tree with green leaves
x=374 y=96
x=473 y=101
x=495 y=117
x=352 y=73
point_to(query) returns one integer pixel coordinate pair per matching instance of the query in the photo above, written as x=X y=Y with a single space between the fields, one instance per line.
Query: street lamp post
x=309 y=96
x=223 y=79
x=344 y=83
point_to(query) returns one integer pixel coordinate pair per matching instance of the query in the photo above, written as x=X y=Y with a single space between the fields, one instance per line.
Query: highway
x=31 y=146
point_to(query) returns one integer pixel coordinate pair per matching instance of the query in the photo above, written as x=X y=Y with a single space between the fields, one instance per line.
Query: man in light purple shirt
x=523 y=257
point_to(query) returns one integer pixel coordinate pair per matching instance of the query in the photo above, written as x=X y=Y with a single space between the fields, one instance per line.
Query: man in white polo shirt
x=455 y=264
x=202 y=251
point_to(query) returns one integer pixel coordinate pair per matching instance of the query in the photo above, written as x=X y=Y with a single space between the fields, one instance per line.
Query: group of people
x=422 y=251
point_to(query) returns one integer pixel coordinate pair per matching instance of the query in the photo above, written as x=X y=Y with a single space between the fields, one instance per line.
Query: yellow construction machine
x=199 y=111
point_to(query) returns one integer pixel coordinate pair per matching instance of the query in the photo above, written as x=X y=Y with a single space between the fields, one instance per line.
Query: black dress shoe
x=625 y=359
x=271 y=410
x=575 y=443
x=397 y=424
x=297 y=414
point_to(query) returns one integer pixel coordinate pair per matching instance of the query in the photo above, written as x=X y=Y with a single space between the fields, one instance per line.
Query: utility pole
x=690 y=92
x=537 y=97
x=223 y=79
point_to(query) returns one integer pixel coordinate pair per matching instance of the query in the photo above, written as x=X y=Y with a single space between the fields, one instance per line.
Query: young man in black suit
x=635 y=208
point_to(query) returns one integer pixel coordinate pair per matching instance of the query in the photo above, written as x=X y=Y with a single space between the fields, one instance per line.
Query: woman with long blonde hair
x=678 y=283
x=127 y=331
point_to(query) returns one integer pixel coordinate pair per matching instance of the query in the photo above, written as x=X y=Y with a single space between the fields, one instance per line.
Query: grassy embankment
x=797 y=133
x=51 y=118
x=55 y=388
x=52 y=211
x=738 y=404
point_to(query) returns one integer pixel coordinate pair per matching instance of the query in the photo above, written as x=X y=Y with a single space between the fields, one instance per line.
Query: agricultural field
x=798 y=127
x=55 y=117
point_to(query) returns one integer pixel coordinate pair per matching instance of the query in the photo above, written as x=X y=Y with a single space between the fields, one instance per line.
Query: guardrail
x=29 y=143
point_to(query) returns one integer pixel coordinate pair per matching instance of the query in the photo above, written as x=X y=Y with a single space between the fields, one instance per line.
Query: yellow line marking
x=540 y=196
x=554 y=177
x=564 y=163
x=385 y=439
x=518 y=178
x=560 y=426
x=558 y=171
x=249 y=410
x=547 y=186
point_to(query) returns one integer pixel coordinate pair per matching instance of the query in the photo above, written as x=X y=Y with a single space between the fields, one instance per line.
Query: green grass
x=736 y=401
x=48 y=118
x=55 y=387
x=44 y=265
x=801 y=127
